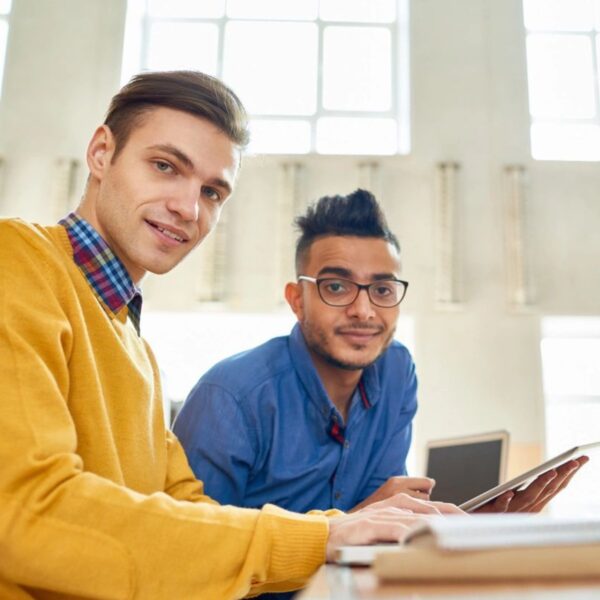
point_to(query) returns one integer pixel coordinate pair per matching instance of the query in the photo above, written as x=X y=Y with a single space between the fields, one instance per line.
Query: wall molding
x=291 y=201
x=446 y=198
x=517 y=279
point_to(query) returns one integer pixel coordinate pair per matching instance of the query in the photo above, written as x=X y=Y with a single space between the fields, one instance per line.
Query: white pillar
x=516 y=264
x=446 y=295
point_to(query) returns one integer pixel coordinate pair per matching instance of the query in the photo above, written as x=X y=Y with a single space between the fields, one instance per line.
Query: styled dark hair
x=357 y=214
x=189 y=91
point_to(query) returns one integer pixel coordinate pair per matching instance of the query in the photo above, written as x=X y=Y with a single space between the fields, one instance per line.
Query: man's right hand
x=417 y=487
x=385 y=521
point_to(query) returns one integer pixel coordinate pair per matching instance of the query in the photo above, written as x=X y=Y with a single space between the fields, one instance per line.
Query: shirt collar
x=103 y=270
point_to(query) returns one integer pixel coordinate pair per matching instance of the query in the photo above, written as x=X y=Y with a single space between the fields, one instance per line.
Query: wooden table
x=359 y=583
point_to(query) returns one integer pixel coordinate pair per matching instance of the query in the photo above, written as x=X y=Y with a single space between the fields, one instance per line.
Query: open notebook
x=497 y=544
x=480 y=547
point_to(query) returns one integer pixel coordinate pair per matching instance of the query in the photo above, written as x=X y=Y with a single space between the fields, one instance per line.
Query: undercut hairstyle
x=189 y=91
x=357 y=214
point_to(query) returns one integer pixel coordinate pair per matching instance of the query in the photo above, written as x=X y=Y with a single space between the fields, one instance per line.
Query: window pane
x=571 y=366
x=357 y=68
x=207 y=337
x=570 y=424
x=183 y=46
x=366 y=11
x=559 y=15
x=263 y=65
x=356 y=136
x=273 y=9
x=565 y=141
x=3 y=38
x=273 y=136
x=598 y=60
x=561 y=76
x=175 y=9
x=5 y=6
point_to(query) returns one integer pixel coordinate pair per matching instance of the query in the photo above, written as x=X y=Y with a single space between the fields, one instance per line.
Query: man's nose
x=186 y=204
x=361 y=308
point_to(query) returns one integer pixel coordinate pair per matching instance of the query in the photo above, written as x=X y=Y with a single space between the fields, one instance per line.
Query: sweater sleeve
x=70 y=531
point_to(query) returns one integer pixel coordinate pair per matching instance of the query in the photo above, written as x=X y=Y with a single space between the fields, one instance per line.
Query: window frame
x=136 y=42
x=593 y=36
x=559 y=435
x=4 y=18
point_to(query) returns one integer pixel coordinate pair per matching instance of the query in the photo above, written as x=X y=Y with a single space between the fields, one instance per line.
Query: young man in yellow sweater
x=96 y=498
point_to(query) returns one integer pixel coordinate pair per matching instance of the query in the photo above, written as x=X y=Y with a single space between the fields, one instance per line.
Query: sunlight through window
x=5 y=6
x=311 y=73
x=570 y=350
x=563 y=49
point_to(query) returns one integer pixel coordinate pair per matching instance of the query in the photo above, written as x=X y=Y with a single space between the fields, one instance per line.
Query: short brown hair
x=189 y=91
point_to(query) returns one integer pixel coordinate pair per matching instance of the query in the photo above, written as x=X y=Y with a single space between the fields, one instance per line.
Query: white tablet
x=526 y=477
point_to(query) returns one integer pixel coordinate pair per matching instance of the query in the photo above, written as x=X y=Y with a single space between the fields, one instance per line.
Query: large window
x=5 y=6
x=325 y=76
x=571 y=371
x=563 y=52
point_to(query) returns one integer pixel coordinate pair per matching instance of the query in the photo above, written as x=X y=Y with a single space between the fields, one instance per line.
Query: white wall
x=479 y=364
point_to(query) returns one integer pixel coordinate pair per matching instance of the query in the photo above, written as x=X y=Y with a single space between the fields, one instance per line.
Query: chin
x=349 y=363
x=161 y=267
x=159 y=270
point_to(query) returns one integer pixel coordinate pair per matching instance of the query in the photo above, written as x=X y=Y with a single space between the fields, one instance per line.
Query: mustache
x=359 y=327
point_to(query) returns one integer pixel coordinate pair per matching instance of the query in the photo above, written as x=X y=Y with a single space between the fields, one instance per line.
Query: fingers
x=566 y=472
x=538 y=493
x=498 y=505
x=526 y=498
x=418 y=494
x=446 y=508
x=369 y=527
x=420 y=484
x=406 y=502
x=414 y=486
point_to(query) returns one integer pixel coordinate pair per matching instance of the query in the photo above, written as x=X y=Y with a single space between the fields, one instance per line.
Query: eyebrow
x=188 y=163
x=347 y=274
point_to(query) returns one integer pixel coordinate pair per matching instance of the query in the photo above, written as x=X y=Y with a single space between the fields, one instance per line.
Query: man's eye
x=212 y=194
x=382 y=290
x=163 y=167
x=336 y=287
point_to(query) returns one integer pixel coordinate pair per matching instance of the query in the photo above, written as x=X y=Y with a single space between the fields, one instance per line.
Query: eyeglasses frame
x=361 y=286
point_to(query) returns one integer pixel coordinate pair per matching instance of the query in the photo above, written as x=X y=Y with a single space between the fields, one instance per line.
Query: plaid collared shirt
x=103 y=270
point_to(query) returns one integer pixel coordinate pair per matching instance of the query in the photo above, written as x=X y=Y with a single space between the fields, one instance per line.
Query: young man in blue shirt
x=322 y=418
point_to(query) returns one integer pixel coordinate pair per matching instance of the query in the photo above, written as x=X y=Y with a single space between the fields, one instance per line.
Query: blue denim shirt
x=259 y=428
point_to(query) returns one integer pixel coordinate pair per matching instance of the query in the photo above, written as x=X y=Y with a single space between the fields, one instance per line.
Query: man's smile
x=168 y=233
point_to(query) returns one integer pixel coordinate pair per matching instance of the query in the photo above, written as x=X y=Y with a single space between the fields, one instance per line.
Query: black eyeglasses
x=334 y=291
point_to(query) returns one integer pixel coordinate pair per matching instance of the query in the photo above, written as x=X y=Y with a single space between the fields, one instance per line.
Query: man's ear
x=100 y=151
x=293 y=296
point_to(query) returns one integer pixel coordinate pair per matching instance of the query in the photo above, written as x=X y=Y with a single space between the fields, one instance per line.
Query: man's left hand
x=538 y=493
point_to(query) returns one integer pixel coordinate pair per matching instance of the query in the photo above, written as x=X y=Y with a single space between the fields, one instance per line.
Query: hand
x=538 y=493
x=385 y=521
x=417 y=487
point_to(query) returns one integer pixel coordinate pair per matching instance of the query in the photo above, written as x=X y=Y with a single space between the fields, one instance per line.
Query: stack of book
x=482 y=547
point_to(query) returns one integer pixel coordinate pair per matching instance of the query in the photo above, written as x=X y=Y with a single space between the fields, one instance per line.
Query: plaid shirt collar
x=103 y=270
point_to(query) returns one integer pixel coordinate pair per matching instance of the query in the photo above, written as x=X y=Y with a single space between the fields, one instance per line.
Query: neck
x=338 y=383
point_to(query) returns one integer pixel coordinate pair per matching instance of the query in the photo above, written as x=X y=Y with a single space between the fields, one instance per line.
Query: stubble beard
x=316 y=340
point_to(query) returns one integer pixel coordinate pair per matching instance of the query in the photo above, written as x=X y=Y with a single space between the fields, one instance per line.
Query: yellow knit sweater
x=96 y=498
